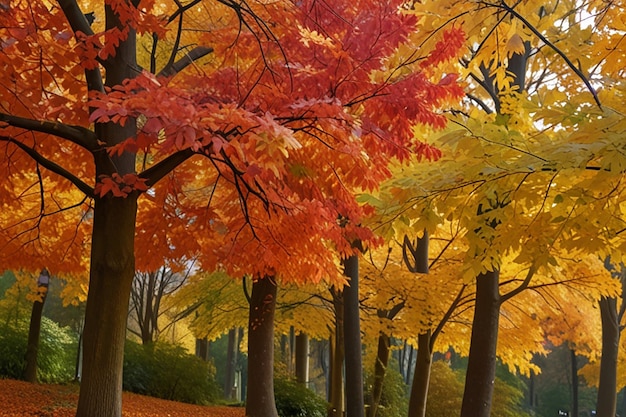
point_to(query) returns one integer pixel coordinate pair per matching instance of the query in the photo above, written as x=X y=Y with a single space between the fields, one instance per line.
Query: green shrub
x=167 y=371
x=296 y=400
x=56 y=359
x=394 y=401
x=12 y=351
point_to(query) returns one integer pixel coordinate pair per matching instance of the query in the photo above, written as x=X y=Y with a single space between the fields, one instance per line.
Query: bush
x=12 y=351
x=296 y=400
x=394 y=401
x=167 y=371
x=56 y=359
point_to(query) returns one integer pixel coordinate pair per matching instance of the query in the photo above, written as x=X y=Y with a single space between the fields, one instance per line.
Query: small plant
x=296 y=400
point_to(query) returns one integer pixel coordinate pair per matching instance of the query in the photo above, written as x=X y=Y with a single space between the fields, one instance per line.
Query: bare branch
x=531 y=271
x=173 y=68
x=78 y=22
x=52 y=166
x=157 y=171
x=446 y=317
x=76 y=134
x=555 y=49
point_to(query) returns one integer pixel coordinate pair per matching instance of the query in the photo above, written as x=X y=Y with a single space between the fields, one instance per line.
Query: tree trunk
x=575 y=384
x=380 y=368
x=302 y=358
x=531 y=390
x=421 y=378
x=112 y=255
x=260 y=394
x=355 y=403
x=336 y=395
x=32 y=347
x=231 y=362
x=202 y=349
x=607 y=389
x=112 y=271
x=481 y=367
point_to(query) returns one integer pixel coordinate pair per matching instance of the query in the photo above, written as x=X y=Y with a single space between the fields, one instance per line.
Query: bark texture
x=34 y=330
x=481 y=367
x=112 y=272
x=337 y=355
x=421 y=377
x=112 y=256
x=260 y=393
x=302 y=358
x=355 y=402
x=607 y=389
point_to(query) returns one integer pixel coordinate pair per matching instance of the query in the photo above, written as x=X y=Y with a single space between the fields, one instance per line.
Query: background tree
x=147 y=295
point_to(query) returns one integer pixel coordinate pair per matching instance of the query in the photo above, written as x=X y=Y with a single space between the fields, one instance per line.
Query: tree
x=259 y=127
x=611 y=317
x=509 y=67
x=30 y=372
x=147 y=294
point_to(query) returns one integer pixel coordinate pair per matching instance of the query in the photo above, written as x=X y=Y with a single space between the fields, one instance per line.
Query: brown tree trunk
x=607 y=390
x=421 y=377
x=302 y=358
x=336 y=395
x=34 y=330
x=260 y=393
x=202 y=349
x=112 y=271
x=380 y=368
x=355 y=403
x=231 y=361
x=575 y=384
x=481 y=367
x=112 y=255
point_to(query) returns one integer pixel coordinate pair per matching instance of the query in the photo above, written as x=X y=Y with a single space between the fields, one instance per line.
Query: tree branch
x=173 y=68
x=555 y=49
x=78 y=135
x=78 y=22
x=446 y=317
x=531 y=271
x=52 y=166
x=157 y=171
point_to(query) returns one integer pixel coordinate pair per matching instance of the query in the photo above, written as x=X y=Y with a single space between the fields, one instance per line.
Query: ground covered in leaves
x=22 y=399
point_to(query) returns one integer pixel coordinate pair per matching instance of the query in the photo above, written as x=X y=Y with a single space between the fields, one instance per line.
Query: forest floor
x=22 y=399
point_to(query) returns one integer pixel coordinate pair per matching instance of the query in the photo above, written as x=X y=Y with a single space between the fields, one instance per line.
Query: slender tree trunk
x=531 y=390
x=202 y=349
x=607 y=390
x=380 y=368
x=355 y=403
x=421 y=378
x=78 y=368
x=32 y=347
x=481 y=367
x=336 y=360
x=575 y=384
x=231 y=360
x=260 y=400
x=302 y=358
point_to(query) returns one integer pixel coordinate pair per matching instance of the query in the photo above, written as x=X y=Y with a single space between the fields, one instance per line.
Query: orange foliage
x=24 y=399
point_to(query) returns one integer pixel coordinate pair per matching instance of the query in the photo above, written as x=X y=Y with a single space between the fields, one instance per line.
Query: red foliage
x=22 y=399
